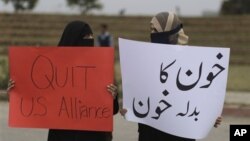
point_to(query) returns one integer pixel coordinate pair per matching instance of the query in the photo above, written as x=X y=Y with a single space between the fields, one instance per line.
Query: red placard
x=61 y=88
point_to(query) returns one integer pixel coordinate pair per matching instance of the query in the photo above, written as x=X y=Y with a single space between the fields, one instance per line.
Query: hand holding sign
x=113 y=90
x=11 y=84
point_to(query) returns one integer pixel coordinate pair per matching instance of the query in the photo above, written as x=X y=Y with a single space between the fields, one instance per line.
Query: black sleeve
x=115 y=105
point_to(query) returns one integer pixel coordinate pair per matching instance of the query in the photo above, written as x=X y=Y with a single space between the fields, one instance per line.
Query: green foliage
x=85 y=5
x=235 y=7
x=22 y=5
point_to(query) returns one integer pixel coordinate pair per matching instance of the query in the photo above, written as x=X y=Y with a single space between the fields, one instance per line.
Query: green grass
x=227 y=31
x=239 y=78
x=3 y=64
x=3 y=71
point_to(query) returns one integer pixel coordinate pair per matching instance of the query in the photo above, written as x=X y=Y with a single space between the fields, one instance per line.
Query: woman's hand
x=11 y=84
x=113 y=90
x=218 y=122
x=123 y=112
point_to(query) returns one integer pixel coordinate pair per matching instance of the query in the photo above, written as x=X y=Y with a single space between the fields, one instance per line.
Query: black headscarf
x=73 y=35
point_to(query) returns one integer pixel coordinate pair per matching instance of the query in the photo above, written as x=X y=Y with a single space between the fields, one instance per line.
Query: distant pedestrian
x=104 y=39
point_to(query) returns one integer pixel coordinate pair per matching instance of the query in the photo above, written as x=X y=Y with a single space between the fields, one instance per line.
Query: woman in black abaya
x=79 y=34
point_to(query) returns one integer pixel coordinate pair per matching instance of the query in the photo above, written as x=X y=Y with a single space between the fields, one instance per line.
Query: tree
x=235 y=7
x=85 y=5
x=22 y=5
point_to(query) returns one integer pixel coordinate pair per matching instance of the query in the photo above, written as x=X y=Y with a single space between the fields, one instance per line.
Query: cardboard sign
x=179 y=90
x=61 y=88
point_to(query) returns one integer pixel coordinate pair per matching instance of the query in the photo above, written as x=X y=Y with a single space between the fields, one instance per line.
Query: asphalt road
x=123 y=130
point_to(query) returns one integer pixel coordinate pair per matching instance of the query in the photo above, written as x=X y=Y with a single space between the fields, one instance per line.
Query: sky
x=132 y=7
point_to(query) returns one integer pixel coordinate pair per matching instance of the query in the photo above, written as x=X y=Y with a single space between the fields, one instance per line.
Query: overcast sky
x=132 y=7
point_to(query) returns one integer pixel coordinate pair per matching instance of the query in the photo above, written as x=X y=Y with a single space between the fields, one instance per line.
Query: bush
x=235 y=7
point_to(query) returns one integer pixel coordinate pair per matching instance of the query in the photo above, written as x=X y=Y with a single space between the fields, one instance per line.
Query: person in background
x=104 y=39
x=79 y=34
x=166 y=28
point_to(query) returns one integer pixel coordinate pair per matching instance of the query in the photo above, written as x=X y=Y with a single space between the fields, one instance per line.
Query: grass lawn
x=3 y=66
x=239 y=78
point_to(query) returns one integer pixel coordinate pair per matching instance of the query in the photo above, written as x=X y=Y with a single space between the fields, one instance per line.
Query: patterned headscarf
x=166 y=22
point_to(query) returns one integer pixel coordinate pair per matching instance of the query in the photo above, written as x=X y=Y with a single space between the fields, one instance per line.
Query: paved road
x=123 y=130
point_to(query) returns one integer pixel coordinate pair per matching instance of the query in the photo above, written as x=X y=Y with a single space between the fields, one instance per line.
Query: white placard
x=177 y=89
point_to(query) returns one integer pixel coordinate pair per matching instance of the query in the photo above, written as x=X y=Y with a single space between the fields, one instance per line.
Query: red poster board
x=61 y=88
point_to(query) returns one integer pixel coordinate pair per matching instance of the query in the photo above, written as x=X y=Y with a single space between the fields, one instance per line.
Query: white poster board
x=177 y=89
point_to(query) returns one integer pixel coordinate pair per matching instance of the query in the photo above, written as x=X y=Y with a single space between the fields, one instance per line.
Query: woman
x=78 y=33
x=166 y=28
